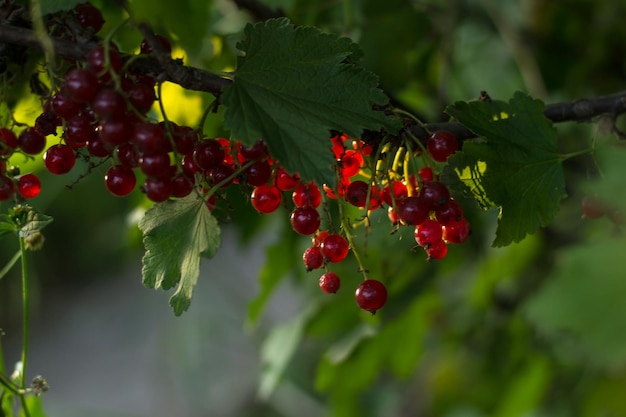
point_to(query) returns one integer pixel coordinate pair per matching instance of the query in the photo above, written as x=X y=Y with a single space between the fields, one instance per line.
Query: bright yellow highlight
x=181 y=106
x=502 y=116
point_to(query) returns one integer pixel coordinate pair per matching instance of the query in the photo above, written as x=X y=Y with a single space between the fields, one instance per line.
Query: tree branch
x=164 y=68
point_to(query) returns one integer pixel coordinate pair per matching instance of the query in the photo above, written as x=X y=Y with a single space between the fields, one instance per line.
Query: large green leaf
x=292 y=86
x=517 y=168
x=176 y=234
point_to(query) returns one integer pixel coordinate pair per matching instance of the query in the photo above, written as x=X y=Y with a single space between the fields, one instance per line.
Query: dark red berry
x=64 y=106
x=305 y=220
x=412 y=210
x=258 y=173
x=47 y=122
x=427 y=232
x=114 y=132
x=120 y=180
x=266 y=198
x=330 y=283
x=31 y=142
x=29 y=186
x=435 y=194
x=97 y=61
x=7 y=188
x=141 y=96
x=8 y=141
x=155 y=165
x=59 y=159
x=158 y=189
x=335 y=248
x=456 y=232
x=436 y=250
x=208 y=153
x=312 y=258
x=108 y=104
x=81 y=85
x=285 y=181
x=182 y=185
x=307 y=195
x=371 y=295
x=441 y=145
x=89 y=17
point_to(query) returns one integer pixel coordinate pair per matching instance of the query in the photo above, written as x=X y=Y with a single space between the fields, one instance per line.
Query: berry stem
x=26 y=324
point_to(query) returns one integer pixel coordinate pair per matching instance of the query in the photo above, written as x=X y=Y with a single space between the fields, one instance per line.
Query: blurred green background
x=534 y=329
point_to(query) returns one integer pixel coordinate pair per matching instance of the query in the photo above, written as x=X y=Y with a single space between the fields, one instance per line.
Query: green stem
x=26 y=324
x=566 y=156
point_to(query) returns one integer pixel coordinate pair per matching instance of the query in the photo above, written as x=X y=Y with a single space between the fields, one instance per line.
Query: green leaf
x=516 y=167
x=53 y=6
x=576 y=309
x=292 y=86
x=33 y=222
x=5 y=114
x=176 y=234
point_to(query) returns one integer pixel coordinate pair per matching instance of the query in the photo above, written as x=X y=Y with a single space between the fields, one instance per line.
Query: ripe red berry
x=120 y=180
x=307 y=195
x=208 y=153
x=441 y=145
x=330 y=283
x=412 y=210
x=457 y=231
x=158 y=189
x=7 y=188
x=435 y=194
x=312 y=258
x=436 y=250
x=356 y=193
x=395 y=192
x=29 y=186
x=141 y=96
x=89 y=17
x=64 y=106
x=81 y=85
x=450 y=212
x=258 y=173
x=97 y=61
x=285 y=181
x=351 y=163
x=31 y=141
x=108 y=104
x=371 y=295
x=335 y=248
x=427 y=232
x=59 y=159
x=8 y=141
x=155 y=165
x=305 y=220
x=266 y=198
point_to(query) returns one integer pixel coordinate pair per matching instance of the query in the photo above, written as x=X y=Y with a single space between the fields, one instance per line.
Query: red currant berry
x=266 y=198
x=185 y=139
x=182 y=185
x=436 y=250
x=426 y=174
x=258 y=173
x=351 y=163
x=222 y=174
x=307 y=195
x=29 y=186
x=318 y=238
x=371 y=295
x=456 y=232
x=450 y=212
x=8 y=141
x=78 y=131
x=31 y=141
x=305 y=220
x=63 y=106
x=120 y=180
x=412 y=210
x=394 y=193
x=7 y=188
x=441 y=145
x=89 y=17
x=252 y=153
x=435 y=194
x=114 y=132
x=97 y=61
x=59 y=159
x=81 y=85
x=141 y=96
x=108 y=104
x=330 y=283
x=312 y=258
x=155 y=165
x=158 y=189
x=208 y=153
x=335 y=248
x=285 y=181
x=427 y=232
x=356 y=193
